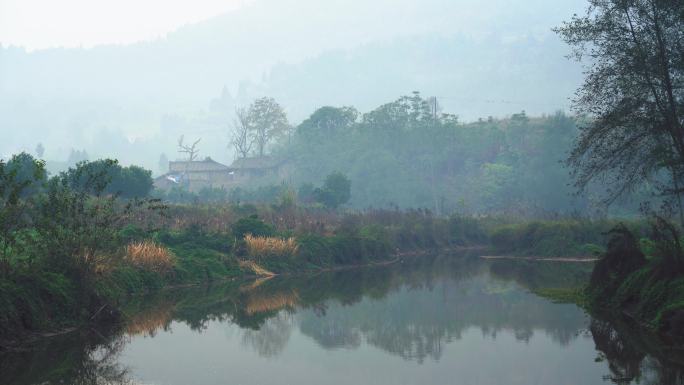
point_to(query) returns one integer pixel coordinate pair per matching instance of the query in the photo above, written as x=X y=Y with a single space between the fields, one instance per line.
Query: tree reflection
x=272 y=337
x=634 y=358
x=90 y=358
x=411 y=310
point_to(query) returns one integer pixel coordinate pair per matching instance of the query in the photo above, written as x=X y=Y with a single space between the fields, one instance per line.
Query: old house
x=256 y=167
x=196 y=175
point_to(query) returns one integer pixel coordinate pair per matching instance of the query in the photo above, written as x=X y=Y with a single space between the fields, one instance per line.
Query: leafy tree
x=128 y=182
x=133 y=182
x=252 y=225
x=336 y=190
x=18 y=177
x=27 y=172
x=497 y=185
x=267 y=120
x=328 y=121
x=632 y=95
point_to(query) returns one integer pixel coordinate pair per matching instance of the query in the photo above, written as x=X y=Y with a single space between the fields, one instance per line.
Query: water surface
x=446 y=320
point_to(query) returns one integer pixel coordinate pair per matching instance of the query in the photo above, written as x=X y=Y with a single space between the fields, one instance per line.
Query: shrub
x=150 y=256
x=252 y=225
x=258 y=247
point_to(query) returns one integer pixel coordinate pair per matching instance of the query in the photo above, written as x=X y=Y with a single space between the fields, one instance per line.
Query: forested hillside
x=408 y=154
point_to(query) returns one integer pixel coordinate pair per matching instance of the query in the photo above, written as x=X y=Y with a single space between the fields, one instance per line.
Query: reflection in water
x=93 y=361
x=272 y=337
x=628 y=362
x=423 y=312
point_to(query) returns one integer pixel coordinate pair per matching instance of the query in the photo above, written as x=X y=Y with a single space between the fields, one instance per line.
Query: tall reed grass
x=259 y=247
x=149 y=256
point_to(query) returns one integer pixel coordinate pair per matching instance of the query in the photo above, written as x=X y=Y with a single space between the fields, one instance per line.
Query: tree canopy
x=633 y=94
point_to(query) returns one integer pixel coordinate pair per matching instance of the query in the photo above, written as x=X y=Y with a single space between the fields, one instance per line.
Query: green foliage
x=266 y=120
x=634 y=65
x=128 y=182
x=20 y=179
x=336 y=191
x=25 y=172
x=430 y=160
x=347 y=247
x=551 y=238
x=252 y=225
x=650 y=290
x=563 y=295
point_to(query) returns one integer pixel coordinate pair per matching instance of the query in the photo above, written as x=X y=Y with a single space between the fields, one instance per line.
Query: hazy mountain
x=133 y=101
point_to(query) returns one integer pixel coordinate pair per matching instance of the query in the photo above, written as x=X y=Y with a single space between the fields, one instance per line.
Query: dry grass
x=147 y=323
x=263 y=303
x=149 y=256
x=259 y=247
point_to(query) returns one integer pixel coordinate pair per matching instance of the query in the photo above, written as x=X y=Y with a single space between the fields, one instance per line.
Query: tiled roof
x=197 y=166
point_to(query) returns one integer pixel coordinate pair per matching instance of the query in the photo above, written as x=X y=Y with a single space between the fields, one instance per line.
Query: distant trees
x=327 y=121
x=406 y=153
x=243 y=137
x=336 y=191
x=76 y=156
x=633 y=95
x=267 y=121
x=127 y=182
x=258 y=126
x=27 y=172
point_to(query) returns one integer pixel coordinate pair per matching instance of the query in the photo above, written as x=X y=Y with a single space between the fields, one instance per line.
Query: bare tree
x=242 y=139
x=191 y=150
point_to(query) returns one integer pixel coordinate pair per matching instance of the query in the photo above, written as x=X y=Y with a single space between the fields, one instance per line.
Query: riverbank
x=38 y=298
x=645 y=284
x=50 y=286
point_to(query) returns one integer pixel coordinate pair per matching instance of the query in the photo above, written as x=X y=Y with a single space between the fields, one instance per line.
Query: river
x=438 y=320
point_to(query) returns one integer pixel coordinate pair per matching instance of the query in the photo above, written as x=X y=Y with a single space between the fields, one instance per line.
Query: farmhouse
x=196 y=175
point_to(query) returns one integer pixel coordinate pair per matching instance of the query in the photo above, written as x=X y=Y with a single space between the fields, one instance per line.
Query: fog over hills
x=133 y=101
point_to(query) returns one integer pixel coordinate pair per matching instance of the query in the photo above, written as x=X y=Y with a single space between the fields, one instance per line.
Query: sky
x=39 y=24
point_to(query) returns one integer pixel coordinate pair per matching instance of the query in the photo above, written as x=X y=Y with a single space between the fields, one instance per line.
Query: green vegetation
x=74 y=250
x=74 y=247
x=559 y=238
x=648 y=289
x=634 y=139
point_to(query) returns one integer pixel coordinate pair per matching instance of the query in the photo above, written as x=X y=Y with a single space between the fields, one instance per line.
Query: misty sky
x=141 y=73
x=38 y=24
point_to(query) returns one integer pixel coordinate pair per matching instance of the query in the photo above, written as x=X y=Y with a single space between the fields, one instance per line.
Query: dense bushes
x=648 y=289
x=553 y=238
x=252 y=225
x=347 y=247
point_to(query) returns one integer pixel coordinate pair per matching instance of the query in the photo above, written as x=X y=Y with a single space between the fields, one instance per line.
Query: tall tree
x=633 y=94
x=243 y=138
x=267 y=120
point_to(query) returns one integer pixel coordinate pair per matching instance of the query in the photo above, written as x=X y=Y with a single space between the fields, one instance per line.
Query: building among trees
x=196 y=175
